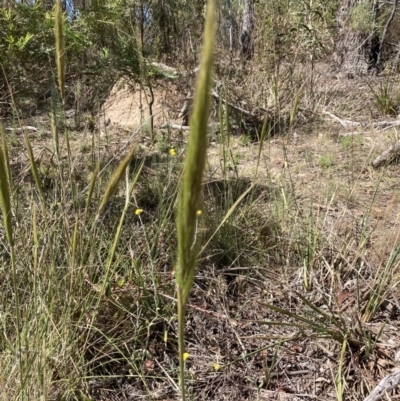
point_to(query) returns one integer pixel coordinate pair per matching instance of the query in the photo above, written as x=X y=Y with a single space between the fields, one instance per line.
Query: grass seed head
x=60 y=51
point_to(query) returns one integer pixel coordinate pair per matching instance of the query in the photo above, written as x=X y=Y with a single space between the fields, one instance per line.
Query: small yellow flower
x=216 y=367
x=185 y=356
x=199 y=212
x=172 y=152
x=138 y=211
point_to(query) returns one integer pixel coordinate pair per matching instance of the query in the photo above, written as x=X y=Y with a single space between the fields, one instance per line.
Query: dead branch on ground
x=386 y=384
x=387 y=156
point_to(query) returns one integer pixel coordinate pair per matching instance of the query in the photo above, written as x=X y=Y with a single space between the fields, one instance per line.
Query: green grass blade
x=262 y=138
x=117 y=235
x=91 y=189
x=339 y=378
x=228 y=124
x=54 y=131
x=5 y=197
x=295 y=109
x=319 y=327
x=6 y=158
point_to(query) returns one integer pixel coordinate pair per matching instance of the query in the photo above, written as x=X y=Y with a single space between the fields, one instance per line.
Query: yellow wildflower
x=185 y=356
x=138 y=211
x=199 y=212
x=216 y=367
x=172 y=152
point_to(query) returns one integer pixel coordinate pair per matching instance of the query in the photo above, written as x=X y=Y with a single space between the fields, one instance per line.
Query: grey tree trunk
x=357 y=41
x=246 y=37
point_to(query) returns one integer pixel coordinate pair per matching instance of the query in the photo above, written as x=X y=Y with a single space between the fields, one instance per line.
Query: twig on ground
x=175 y=126
x=386 y=384
x=344 y=123
x=233 y=106
x=387 y=156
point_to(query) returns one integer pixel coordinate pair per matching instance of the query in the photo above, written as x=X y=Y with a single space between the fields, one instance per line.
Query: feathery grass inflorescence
x=5 y=190
x=60 y=51
x=116 y=179
x=35 y=171
x=191 y=191
x=5 y=150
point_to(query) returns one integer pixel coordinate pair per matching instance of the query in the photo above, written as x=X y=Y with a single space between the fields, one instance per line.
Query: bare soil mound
x=128 y=105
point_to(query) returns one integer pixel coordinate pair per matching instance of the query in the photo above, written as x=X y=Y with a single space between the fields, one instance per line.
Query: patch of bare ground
x=327 y=225
x=130 y=106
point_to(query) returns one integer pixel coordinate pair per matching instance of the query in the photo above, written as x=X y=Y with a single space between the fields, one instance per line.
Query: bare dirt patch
x=128 y=104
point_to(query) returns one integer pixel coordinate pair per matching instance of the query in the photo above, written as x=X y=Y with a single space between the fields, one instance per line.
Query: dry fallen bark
x=387 y=156
x=386 y=384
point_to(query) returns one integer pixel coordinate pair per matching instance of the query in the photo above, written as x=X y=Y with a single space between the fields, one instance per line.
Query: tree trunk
x=357 y=41
x=246 y=37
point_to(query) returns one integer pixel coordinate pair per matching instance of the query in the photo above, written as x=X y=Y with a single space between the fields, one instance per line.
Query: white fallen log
x=342 y=122
x=383 y=125
x=20 y=129
x=386 y=384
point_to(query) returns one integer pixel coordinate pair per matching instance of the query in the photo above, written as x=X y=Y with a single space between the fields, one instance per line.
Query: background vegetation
x=294 y=234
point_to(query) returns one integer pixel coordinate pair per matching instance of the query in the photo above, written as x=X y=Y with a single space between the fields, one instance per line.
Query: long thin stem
x=181 y=343
x=17 y=312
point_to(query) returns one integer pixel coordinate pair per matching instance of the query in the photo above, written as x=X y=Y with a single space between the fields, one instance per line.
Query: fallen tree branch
x=20 y=129
x=349 y=123
x=175 y=126
x=387 y=156
x=344 y=123
x=386 y=384
x=233 y=106
x=387 y=124
x=352 y=133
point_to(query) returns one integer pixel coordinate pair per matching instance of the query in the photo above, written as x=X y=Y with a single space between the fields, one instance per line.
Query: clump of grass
x=326 y=160
x=346 y=141
x=384 y=282
x=385 y=100
x=116 y=179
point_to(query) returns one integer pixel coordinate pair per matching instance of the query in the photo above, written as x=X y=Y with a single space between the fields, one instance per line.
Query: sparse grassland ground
x=296 y=292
